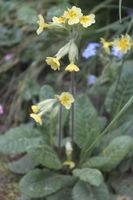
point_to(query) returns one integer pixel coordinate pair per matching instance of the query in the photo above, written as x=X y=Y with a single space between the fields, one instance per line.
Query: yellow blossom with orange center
x=87 y=20
x=123 y=44
x=66 y=99
x=73 y=15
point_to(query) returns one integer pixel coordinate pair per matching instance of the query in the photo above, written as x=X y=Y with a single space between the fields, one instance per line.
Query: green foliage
x=30 y=89
x=112 y=155
x=22 y=165
x=124 y=90
x=46 y=176
x=82 y=191
x=65 y=194
x=46 y=92
x=45 y=155
x=86 y=122
x=19 y=140
x=57 y=10
x=101 y=192
x=9 y=37
x=41 y=183
x=91 y=176
x=27 y=14
x=122 y=185
x=23 y=197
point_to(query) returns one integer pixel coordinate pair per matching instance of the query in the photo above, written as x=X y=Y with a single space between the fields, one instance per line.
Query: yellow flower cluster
x=123 y=44
x=73 y=16
x=70 y=17
x=55 y=65
x=38 y=110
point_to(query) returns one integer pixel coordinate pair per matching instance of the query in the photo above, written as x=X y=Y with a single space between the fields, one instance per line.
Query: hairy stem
x=72 y=109
x=120 y=5
x=60 y=127
x=117 y=84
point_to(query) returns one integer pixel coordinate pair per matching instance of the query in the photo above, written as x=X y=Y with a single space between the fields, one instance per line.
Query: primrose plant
x=67 y=154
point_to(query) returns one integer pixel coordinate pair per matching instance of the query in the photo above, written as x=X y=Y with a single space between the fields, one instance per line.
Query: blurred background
x=22 y=53
x=22 y=58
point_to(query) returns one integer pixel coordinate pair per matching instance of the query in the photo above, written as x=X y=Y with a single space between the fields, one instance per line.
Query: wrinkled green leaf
x=82 y=191
x=9 y=37
x=46 y=92
x=101 y=192
x=19 y=140
x=65 y=194
x=92 y=176
x=30 y=89
x=56 y=10
x=45 y=155
x=22 y=165
x=124 y=90
x=122 y=185
x=41 y=183
x=112 y=155
x=27 y=14
x=86 y=122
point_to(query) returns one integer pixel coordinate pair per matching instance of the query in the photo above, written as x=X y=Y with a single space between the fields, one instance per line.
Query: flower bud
x=69 y=149
x=63 y=51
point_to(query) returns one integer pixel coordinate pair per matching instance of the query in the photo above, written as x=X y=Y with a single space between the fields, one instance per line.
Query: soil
x=8 y=182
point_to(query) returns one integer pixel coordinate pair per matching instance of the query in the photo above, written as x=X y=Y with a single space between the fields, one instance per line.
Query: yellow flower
x=69 y=163
x=41 y=108
x=72 y=68
x=42 y=24
x=87 y=20
x=123 y=44
x=36 y=117
x=73 y=15
x=106 y=45
x=66 y=99
x=59 y=20
x=35 y=108
x=53 y=62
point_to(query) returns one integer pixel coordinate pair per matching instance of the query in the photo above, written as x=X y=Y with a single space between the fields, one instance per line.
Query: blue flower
x=91 y=79
x=115 y=52
x=90 y=50
x=130 y=12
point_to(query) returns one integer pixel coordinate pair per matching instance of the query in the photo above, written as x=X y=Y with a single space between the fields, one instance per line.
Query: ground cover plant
x=78 y=143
